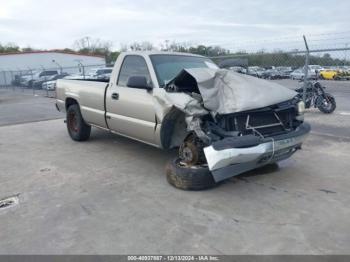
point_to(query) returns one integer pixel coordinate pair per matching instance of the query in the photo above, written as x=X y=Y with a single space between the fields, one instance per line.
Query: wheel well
x=174 y=129
x=71 y=101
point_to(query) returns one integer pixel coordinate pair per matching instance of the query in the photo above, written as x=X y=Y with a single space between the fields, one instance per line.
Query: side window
x=133 y=65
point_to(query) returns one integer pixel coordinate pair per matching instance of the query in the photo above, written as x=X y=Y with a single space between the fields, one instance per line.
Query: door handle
x=115 y=96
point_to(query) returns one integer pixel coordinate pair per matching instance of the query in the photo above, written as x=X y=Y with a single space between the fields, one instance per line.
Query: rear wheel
x=77 y=128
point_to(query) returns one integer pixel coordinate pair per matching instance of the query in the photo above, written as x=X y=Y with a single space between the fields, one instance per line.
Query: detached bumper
x=231 y=161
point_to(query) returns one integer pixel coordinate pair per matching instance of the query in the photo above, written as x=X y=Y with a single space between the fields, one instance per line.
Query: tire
x=189 y=178
x=327 y=109
x=78 y=130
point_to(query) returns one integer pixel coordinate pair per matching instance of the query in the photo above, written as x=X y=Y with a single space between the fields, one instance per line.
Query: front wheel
x=186 y=177
x=78 y=130
x=326 y=103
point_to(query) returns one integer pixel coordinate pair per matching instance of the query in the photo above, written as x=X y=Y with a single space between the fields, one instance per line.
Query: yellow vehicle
x=328 y=74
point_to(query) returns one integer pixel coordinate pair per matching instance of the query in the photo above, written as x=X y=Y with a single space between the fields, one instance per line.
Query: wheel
x=191 y=151
x=327 y=104
x=78 y=130
x=187 y=177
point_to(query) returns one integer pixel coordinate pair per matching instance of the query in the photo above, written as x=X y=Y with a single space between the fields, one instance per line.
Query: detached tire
x=78 y=130
x=188 y=178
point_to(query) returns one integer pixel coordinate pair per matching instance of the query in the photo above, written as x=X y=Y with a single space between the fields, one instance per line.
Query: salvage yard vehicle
x=328 y=74
x=299 y=74
x=50 y=85
x=100 y=73
x=44 y=75
x=224 y=123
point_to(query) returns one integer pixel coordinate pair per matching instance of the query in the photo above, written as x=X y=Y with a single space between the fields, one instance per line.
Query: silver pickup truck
x=224 y=123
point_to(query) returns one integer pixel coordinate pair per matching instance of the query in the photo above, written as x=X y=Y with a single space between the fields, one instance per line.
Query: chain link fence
x=305 y=60
x=41 y=81
x=327 y=63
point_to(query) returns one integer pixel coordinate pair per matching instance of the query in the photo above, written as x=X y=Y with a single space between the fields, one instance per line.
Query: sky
x=228 y=23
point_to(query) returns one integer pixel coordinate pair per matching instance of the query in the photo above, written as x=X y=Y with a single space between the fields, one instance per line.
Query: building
x=12 y=64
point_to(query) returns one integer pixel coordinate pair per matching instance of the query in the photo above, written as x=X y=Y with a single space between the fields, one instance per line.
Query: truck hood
x=221 y=92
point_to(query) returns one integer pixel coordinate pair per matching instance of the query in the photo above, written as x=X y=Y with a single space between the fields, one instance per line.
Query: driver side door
x=130 y=110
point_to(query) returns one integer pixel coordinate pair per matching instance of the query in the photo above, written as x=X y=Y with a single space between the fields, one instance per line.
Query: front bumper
x=229 y=162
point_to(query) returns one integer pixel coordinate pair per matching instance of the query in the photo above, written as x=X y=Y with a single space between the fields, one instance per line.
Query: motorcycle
x=317 y=97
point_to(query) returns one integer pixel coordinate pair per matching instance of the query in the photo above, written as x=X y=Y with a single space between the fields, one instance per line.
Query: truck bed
x=90 y=96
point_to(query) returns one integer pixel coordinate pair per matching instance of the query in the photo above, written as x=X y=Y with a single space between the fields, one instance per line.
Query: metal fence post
x=31 y=75
x=1 y=85
x=5 y=79
x=13 y=86
x=306 y=68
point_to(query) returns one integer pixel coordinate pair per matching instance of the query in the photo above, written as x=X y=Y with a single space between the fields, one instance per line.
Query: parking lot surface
x=109 y=195
x=21 y=106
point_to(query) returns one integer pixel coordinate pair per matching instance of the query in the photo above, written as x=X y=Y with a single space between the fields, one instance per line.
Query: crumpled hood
x=221 y=92
x=224 y=91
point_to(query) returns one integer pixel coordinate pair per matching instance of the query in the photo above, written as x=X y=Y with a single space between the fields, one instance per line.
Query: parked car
x=99 y=73
x=328 y=74
x=39 y=83
x=26 y=78
x=224 y=123
x=315 y=70
x=238 y=69
x=316 y=67
x=285 y=71
x=274 y=74
x=30 y=80
x=256 y=71
x=51 y=84
x=299 y=74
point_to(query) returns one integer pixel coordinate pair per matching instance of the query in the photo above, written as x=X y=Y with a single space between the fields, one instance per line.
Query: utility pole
x=59 y=66
x=80 y=65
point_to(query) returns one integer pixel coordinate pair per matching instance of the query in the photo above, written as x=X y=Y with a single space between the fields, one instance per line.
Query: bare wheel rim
x=72 y=122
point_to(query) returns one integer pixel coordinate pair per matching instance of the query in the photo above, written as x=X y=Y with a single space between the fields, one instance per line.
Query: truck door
x=130 y=111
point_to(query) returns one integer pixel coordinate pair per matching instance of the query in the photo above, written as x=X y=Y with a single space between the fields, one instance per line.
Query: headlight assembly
x=301 y=107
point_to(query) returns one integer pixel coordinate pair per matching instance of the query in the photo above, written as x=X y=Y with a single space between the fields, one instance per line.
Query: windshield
x=169 y=66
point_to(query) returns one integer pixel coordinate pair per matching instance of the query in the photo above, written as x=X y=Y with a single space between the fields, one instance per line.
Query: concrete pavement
x=109 y=195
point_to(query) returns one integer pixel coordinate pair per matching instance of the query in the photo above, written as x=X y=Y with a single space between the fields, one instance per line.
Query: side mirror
x=138 y=82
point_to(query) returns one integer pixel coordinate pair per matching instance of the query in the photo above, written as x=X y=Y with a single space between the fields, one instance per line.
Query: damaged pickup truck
x=223 y=123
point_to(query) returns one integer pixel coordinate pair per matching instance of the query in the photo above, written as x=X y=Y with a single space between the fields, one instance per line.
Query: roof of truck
x=160 y=53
